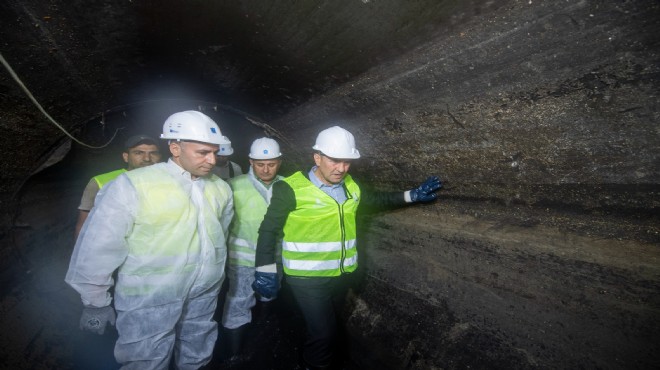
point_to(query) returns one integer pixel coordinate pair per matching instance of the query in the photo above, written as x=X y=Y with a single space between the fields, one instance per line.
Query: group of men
x=167 y=230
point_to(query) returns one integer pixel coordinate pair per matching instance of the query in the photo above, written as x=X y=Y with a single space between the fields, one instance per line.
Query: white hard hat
x=192 y=125
x=225 y=149
x=265 y=148
x=336 y=142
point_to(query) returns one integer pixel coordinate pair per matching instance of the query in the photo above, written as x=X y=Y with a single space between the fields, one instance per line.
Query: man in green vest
x=163 y=228
x=139 y=151
x=252 y=193
x=314 y=213
x=224 y=168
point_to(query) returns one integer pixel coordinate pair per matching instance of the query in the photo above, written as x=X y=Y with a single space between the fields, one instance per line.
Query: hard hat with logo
x=225 y=149
x=336 y=142
x=265 y=148
x=192 y=125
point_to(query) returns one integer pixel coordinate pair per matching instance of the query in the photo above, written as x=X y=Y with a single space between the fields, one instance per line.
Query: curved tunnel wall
x=542 y=120
x=543 y=249
x=554 y=105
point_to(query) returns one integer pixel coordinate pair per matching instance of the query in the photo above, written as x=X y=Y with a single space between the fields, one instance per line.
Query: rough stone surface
x=454 y=291
x=540 y=117
x=548 y=106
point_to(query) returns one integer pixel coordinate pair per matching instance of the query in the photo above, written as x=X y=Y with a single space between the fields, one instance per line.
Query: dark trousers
x=320 y=301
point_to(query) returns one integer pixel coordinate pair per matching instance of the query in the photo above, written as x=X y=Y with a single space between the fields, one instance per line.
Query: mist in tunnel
x=541 y=118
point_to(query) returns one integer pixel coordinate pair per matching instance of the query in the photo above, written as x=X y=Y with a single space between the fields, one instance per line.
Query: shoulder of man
x=113 y=172
x=298 y=176
x=214 y=180
x=104 y=178
x=145 y=171
x=237 y=180
x=237 y=167
x=88 y=195
x=92 y=185
x=282 y=185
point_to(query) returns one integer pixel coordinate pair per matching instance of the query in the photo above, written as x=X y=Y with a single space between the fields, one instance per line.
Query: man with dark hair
x=139 y=151
x=224 y=168
x=252 y=193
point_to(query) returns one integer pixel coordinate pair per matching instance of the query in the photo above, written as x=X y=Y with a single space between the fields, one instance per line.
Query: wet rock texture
x=542 y=252
x=453 y=291
x=549 y=105
x=540 y=117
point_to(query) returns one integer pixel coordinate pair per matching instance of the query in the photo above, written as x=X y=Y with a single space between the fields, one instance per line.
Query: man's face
x=141 y=156
x=331 y=170
x=194 y=157
x=265 y=169
x=221 y=160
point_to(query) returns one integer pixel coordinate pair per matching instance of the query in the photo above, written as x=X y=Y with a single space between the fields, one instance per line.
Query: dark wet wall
x=540 y=117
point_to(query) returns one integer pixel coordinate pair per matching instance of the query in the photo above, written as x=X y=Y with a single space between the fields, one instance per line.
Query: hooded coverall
x=251 y=199
x=166 y=235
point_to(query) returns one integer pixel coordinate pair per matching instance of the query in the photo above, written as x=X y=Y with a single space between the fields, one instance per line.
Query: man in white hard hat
x=315 y=213
x=252 y=193
x=163 y=228
x=139 y=151
x=224 y=168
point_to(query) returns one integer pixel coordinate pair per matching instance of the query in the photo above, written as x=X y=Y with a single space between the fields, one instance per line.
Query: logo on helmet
x=213 y=130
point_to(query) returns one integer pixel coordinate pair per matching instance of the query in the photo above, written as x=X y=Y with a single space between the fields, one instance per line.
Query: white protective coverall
x=251 y=199
x=166 y=235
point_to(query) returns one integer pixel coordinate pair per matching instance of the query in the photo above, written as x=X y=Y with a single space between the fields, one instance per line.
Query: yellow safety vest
x=320 y=234
x=249 y=210
x=165 y=256
x=105 y=178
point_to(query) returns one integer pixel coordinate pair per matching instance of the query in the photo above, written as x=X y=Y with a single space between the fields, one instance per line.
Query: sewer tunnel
x=541 y=118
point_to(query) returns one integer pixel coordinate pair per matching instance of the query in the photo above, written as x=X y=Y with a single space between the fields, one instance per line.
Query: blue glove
x=266 y=284
x=95 y=319
x=426 y=191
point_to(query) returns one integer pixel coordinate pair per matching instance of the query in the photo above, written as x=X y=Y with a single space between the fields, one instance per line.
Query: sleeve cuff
x=272 y=268
x=406 y=196
x=97 y=300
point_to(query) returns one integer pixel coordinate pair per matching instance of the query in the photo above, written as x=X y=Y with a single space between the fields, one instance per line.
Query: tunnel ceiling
x=82 y=58
x=266 y=56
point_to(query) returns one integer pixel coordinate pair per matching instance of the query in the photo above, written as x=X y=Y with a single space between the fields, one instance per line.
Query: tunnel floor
x=40 y=313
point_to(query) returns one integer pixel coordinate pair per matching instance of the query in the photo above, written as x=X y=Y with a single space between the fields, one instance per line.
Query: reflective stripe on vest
x=249 y=210
x=319 y=235
x=165 y=257
x=105 y=178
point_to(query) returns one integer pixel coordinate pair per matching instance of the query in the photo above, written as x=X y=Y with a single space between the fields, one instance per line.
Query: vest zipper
x=343 y=228
x=343 y=237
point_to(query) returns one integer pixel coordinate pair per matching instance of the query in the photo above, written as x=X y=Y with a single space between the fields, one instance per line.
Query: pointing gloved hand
x=426 y=191
x=95 y=319
x=266 y=284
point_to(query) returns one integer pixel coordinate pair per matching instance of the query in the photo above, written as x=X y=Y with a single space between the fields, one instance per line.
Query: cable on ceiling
x=29 y=94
